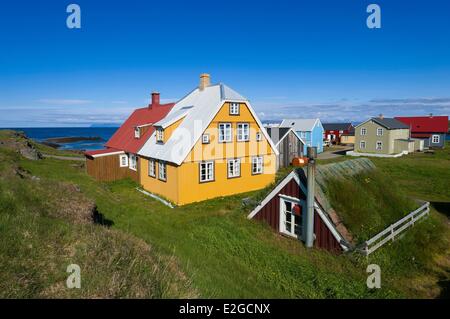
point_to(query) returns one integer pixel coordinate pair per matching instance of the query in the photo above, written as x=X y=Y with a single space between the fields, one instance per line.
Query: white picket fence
x=390 y=233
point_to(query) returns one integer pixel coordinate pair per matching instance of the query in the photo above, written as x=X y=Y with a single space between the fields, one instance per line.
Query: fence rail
x=390 y=233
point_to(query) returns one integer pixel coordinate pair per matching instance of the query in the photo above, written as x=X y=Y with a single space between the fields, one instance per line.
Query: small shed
x=282 y=209
x=288 y=143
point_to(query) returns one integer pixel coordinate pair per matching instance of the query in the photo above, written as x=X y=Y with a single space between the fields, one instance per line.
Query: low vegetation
x=207 y=249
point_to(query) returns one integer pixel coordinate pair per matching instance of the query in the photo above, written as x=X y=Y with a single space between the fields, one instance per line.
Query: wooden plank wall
x=107 y=168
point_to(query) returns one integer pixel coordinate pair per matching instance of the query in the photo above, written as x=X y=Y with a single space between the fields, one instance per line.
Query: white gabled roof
x=304 y=125
x=284 y=136
x=198 y=109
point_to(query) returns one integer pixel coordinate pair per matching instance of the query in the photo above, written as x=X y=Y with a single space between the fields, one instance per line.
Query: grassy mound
x=46 y=225
x=368 y=202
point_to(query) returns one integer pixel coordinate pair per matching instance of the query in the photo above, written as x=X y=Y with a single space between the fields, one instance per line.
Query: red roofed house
x=119 y=159
x=432 y=129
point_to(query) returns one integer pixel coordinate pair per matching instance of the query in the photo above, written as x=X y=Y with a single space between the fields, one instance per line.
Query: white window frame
x=361 y=145
x=137 y=132
x=380 y=131
x=284 y=223
x=227 y=128
x=258 y=136
x=234 y=168
x=243 y=132
x=381 y=145
x=234 y=108
x=205 y=138
x=208 y=166
x=132 y=162
x=121 y=157
x=162 y=171
x=159 y=135
x=433 y=139
x=363 y=131
x=151 y=168
x=259 y=162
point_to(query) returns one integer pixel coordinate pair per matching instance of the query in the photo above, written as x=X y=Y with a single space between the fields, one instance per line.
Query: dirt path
x=64 y=158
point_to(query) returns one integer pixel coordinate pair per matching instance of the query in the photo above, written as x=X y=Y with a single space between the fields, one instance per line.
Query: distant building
x=288 y=143
x=432 y=129
x=119 y=159
x=310 y=131
x=334 y=131
x=384 y=136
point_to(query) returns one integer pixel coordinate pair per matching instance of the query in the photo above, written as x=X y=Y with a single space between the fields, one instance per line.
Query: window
x=224 y=132
x=160 y=135
x=234 y=168
x=362 y=144
x=363 y=131
x=243 y=132
x=234 y=108
x=258 y=136
x=206 y=171
x=205 y=138
x=257 y=165
x=133 y=162
x=123 y=159
x=379 y=145
x=303 y=134
x=162 y=171
x=151 y=168
x=291 y=223
x=379 y=132
x=435 y=139
x=137 y=132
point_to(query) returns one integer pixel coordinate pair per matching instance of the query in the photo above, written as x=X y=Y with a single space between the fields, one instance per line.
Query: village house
x=384 y=137
x=310 y=131
x=210 y=144
x=119 y=159
x=431 y=129
x=334 y=132
x=288 y=143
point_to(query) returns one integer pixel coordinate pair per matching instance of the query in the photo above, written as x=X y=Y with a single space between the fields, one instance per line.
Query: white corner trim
x=107 y=154
x=155 y=197
x=274 y=192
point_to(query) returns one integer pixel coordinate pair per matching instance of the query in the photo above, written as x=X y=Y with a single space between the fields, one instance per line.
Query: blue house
x=310 y=130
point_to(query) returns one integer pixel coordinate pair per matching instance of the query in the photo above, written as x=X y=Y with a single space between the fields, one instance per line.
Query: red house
x=334 y=131
x=119 y=159
x=432 y=129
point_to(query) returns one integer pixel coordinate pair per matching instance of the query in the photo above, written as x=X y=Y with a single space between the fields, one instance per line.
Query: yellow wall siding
x=168 y=189
x=193 y=191
x=169 y=130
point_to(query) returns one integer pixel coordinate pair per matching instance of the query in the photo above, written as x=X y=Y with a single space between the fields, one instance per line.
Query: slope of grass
x=226 y=255
x=368 y=202
x=41 y=235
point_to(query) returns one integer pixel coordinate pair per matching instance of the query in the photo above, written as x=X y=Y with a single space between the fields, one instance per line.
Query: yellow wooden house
x=210 y=144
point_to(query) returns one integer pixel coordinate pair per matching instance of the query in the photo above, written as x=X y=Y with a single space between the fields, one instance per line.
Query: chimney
x=155 y=99
x=431 y=114
x=381 y=116
x=204 y=81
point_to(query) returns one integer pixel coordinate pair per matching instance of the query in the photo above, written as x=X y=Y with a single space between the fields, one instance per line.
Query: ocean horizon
x=40 y=134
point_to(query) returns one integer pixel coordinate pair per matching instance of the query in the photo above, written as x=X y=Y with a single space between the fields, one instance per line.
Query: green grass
x=368 y=202
x=225 y=255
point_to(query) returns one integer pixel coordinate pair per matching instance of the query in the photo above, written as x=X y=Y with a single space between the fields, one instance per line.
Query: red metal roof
x=99 y=152
x=426 y=124
x=123 y=138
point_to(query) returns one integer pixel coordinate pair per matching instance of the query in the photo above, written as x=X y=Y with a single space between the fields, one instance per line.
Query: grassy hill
x=207 y=249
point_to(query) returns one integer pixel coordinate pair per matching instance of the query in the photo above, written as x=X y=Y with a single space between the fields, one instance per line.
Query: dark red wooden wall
x=270 y=213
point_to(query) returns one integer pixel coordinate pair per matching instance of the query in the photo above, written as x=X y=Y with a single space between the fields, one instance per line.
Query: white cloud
x=64 y=101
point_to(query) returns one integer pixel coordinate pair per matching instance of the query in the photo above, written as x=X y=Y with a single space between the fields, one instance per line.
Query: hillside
x=207 y=249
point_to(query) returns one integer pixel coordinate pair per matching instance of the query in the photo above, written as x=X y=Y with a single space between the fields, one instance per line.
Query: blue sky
x=290 y=58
